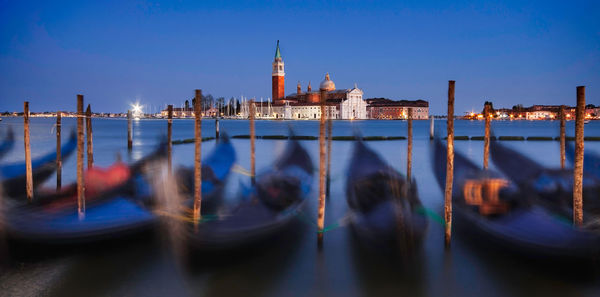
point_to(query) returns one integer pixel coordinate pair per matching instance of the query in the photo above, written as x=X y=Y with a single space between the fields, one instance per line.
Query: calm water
x=293 y=266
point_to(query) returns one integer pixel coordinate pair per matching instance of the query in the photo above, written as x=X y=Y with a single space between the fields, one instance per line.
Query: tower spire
x=278 y=76
x=277 y=52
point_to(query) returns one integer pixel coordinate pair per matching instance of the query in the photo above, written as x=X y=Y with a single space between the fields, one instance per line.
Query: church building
x=345 y=104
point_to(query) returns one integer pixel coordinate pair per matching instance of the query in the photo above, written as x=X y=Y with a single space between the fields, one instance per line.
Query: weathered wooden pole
x=170 y=136
x=90 y=145
x=321 y=213
x=58 y=151
x=431 y=127
x=252 y=144
x=562 y=136
x=197 y=157
x=578 y=167
x=28 y=170
x=409 y=146
x=129 y=135
x=329 y=136
x=80 y=136
x=217 y=128
x=449 y=165
x=486 y=138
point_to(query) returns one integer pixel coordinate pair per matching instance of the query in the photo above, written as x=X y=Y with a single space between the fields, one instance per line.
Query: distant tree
x=220 y=104
x=208 y=101
x=187 y=104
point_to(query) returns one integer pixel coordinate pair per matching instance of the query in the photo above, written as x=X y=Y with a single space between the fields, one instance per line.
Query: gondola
x=553 y=187
x=264 y=209
x=215 y=170
x=13 y=175
x=386 y=210
x=498 y=214
x=110 y=213
x=7 y=143
x=591 y=160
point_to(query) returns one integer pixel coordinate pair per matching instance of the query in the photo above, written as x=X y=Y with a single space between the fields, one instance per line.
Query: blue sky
x=117 y=52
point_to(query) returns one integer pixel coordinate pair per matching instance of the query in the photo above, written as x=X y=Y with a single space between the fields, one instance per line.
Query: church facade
x=344 y=104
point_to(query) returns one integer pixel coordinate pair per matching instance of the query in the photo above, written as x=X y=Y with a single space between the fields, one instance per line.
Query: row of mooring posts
x=324 y=153
x=80 y=152
x=577 y=166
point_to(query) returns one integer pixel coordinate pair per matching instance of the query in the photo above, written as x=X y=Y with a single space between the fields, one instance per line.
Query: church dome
x=327 y=84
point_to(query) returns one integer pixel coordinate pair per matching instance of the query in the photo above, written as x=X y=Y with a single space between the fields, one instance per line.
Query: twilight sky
x=157 y=52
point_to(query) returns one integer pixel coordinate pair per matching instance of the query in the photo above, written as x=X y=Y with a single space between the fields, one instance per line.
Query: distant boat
x=586 y=121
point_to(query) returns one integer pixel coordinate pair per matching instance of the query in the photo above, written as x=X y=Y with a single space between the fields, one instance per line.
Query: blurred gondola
x=553 y=187
x=265 y=209
x=13 y=175
x=7 y=143
x=117 y=204
x=591 y=160
x=386 y=210
x=500 y=214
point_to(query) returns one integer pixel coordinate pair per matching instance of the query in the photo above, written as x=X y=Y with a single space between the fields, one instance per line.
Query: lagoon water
x=292 y=266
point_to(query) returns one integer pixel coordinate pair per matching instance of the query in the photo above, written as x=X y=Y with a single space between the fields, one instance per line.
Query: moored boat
x=499 y=214
x=552 y=187
x=13 y=175
x=386 y=210
x=119 y=203
x=7 y=143
x=591 y=160
x=265 y=208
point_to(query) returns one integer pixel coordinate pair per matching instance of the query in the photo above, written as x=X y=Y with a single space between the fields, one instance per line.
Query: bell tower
x=278 y=77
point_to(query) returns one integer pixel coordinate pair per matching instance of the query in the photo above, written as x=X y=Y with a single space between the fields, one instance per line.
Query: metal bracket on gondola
x=485 y=195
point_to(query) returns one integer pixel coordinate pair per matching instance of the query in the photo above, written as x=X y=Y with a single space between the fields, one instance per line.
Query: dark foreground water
x=291 y=265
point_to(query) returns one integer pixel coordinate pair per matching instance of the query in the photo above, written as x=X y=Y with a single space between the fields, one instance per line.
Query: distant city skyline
x=157 y=53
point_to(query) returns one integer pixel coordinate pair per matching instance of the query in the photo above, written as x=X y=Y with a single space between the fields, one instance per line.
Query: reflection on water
x=292 y=265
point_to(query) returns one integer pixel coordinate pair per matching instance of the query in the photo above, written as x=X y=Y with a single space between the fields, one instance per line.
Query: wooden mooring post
x=80 y=136
x=562 y=136
x=170 y=137
x=329 y=136
x=578 y=166
x=449 y=166
x=486 y=139
x=217 y=128
x=58 y=151
x=252 y=142
x=90 y=145
x=198 y=157
x=409 y=146
x=431 y=127
x=129 y=134
x=28 y=169
x=321 y=213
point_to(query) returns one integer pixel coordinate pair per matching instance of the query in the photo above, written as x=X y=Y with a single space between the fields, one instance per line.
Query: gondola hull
x=553 y=187
x=383 y=205
x=7 y=143
x=265 y=210
x=121 y=210
x=13 y=175
x=526 y=229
